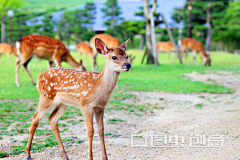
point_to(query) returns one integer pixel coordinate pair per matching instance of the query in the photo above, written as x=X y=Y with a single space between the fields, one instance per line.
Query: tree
x=47 y=26
x=229 y=26
x=112 y=13
x=5 y=5
x=150 y=33
x=131 y=28
x=91 y=12
x=156 y=22
x=74 y=25
x=205 y=17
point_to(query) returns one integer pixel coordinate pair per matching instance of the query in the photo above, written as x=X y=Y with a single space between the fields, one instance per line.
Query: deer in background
x=130 y=59
x=109 y=40
x=7 y=49
x=196 y=47
x=83 y=47
x=58 y=88
x=43 y=47
x=37 y=60
x=166 y=46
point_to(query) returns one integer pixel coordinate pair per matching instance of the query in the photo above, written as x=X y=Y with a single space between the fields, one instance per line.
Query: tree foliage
x=5 y=5
x=112 y=13
x=199 y=7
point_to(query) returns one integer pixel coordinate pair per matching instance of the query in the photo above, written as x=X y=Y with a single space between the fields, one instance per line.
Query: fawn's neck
x=108 y=79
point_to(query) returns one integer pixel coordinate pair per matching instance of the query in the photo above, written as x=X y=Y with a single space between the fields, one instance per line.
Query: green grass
x=42 y=5
x=114 y=120
x=166 y=77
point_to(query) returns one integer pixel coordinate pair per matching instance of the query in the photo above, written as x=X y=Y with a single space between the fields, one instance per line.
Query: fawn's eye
x=114 y=57
x=127 y=57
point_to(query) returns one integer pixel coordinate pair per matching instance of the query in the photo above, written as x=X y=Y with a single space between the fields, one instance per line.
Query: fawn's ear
x=124 y=44
x=80 y=62
x=101 y=47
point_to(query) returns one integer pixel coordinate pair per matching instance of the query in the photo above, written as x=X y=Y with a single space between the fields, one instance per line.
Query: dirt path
x=185 y=115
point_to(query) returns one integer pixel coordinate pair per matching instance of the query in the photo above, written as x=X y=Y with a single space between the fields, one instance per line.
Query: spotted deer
x=109 y=40
x=7 y=49
x=43 y=47
x=196 y=47
x=84 y=48
x=58 y=88
x=166 y=46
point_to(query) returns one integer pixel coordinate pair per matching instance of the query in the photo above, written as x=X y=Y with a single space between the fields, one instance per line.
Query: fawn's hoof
x=29 y=158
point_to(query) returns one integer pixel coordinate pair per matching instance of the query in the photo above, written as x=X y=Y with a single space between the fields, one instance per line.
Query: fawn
x=58 y=88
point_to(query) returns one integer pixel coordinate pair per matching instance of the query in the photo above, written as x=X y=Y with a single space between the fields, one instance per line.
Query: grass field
x=15 y=116
x=42 y=5
x=166 y=77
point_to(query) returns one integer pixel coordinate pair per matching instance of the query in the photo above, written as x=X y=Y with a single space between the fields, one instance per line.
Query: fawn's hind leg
x=53 y=119
x=45 y=105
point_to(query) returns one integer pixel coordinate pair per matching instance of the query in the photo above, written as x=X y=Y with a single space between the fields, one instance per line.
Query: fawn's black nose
x=128 y=66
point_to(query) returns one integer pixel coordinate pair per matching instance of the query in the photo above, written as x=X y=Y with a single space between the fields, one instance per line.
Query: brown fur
x=83 y=47
x=196 y=47
x=7 y=49
x=166 y=46
x=47 y=48
x=58 y=88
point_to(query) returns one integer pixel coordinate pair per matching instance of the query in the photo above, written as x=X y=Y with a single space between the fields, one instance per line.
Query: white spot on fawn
x=49 y=88
x=84 y=93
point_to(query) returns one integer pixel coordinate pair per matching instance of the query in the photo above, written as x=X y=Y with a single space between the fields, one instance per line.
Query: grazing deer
x=43 y=47
x=166 y=46
x=130 y=59
x=83 y=47
x=7 y=49
x=196 y=47
x=109 y=40
x=58 y=88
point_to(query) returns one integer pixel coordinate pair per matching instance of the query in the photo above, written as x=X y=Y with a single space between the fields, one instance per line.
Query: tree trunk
x=150 y=55
x=172 y=40
x=226 y=47
x=153 y=36
x=132 y=42
x=3 y=30
x=180 y=33
x=141 y=42
x=209 y=30
x=190 y=19
x=149 y=44
x=112 y=23
x=219 y=46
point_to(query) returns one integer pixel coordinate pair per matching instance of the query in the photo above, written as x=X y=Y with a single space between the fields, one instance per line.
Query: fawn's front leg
x=90 y=131
x=99 y=121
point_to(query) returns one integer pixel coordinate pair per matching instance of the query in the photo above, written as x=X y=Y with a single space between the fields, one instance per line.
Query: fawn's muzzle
x=128 y=66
